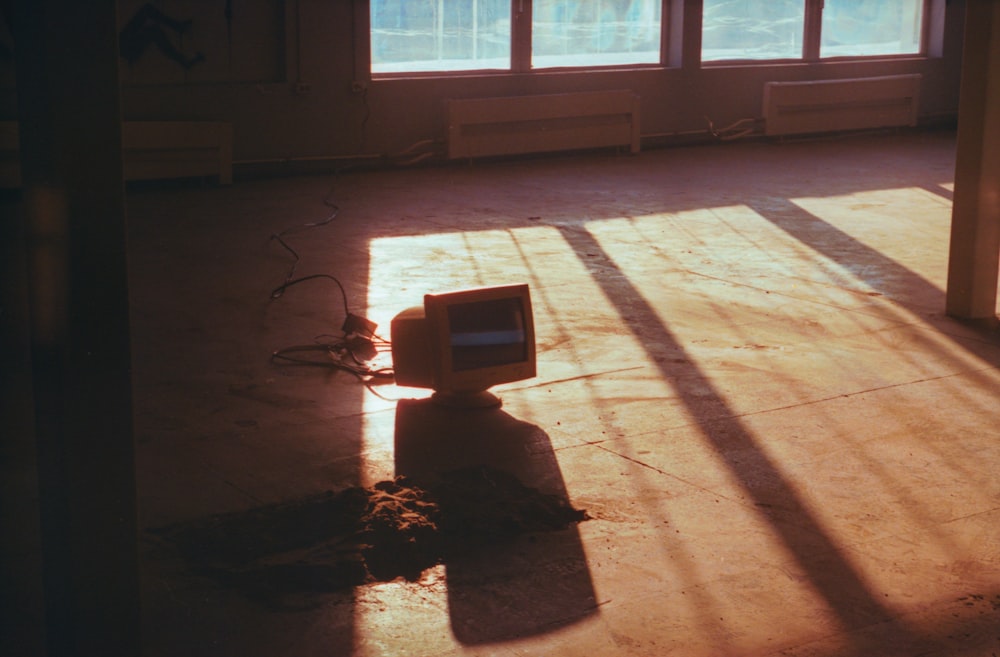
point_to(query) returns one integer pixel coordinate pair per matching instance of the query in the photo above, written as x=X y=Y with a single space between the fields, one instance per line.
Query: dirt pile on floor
x=398 y=533
x=337 y=540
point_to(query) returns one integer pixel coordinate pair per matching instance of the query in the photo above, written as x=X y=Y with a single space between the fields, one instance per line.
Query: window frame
x=677 y=17
x=812 y=36
x=529 y=51
x=520 y=46
x=922 y=50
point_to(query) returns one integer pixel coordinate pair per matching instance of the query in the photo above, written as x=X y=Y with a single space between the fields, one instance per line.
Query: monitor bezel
x=446 y=378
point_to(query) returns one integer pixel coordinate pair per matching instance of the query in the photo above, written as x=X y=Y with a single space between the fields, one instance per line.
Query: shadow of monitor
x=517 y=567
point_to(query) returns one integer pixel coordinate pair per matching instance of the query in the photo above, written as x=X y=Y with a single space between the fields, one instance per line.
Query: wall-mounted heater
x=836 y=105
x=511 y=125
x=150 y=150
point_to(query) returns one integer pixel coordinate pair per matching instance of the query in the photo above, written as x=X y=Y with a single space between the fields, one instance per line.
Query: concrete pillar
x=73 y=206
x=975 y=225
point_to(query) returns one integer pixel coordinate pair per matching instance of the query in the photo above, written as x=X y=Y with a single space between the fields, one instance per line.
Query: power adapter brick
x=358 y=325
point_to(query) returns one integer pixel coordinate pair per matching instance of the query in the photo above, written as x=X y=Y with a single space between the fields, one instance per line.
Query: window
x=595 y=33
x=768 y=29
x=440 y=35
x=862 y=27
x=420 y=36
x=778 y=29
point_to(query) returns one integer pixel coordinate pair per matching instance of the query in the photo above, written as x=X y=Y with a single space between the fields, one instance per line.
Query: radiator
x=480 y=127
x=177 y=149
x=150 y=149
x=832 y=105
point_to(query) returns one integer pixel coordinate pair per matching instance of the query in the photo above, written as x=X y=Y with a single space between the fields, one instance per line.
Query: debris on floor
x=334 y=541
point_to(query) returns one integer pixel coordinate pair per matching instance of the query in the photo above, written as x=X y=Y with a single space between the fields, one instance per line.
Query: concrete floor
x=745 y=377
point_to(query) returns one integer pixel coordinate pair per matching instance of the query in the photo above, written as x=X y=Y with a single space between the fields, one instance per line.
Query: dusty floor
x=746 y=380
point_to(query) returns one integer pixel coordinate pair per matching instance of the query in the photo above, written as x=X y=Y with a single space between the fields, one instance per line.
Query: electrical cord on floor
x=290 y=279
x=366 y=375
x=734 y=130
x=358 y=345
x=413 y=155
x=351 y=351
x=279 y=238
x=280 y=290
x=339 y=355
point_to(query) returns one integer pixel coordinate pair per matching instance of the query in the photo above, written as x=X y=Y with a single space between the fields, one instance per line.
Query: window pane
x=439 y=35
x=595 y=32
x=871 y=27
x=752 y=29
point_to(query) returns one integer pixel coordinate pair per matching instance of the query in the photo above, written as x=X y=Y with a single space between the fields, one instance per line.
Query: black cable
x=282 y=354
x=334 y=351
x=278 y=291
x=378 y=394
x=335 y=210
x=291 y=271
x=366 y=375
x=342 y=347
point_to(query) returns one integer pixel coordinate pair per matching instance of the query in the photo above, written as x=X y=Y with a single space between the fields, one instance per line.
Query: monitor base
x=483 y=399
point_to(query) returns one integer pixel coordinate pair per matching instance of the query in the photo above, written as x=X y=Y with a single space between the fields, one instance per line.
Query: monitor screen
x=487 y=333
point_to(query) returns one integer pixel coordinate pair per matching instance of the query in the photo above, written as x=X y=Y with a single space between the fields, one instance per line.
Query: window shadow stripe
x=815 y=551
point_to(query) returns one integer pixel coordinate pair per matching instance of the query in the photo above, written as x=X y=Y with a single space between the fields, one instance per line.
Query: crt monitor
x=461 y=343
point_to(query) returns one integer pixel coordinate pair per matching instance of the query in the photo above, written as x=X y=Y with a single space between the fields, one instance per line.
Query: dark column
x=975 y=222
x=684 y=26
x=73 y=206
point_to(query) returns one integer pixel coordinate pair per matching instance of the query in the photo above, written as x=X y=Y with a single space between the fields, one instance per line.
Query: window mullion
x=520 y=38
x=812 y=28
